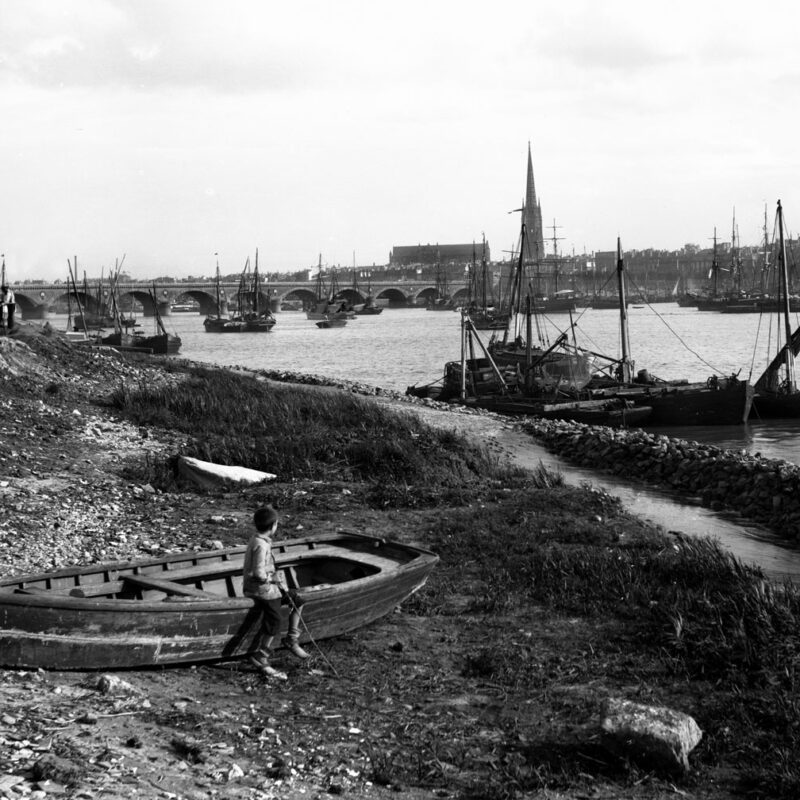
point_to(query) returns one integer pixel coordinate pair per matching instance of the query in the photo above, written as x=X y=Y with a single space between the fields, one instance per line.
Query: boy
x=267 y=587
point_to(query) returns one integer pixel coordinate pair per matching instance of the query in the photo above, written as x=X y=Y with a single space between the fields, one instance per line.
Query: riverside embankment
x=763 y=490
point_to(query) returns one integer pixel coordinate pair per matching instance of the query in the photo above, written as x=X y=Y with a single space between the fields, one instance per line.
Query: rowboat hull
x=189 y=608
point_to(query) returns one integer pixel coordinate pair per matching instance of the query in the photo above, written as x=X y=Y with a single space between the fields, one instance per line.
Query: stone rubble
x=760 y=489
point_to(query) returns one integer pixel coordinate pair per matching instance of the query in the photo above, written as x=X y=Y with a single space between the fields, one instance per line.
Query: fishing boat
x=219 y=322
x=326 y=306
x=161 y=342
x=776 y=392
x=479 y=382
x=188 y=608
x=441 y=301
x=369 y=306
x=546 y=365
x=483 y=312
x=717 y=401
x=258 y=318
x=331 y=322
x=103 y=315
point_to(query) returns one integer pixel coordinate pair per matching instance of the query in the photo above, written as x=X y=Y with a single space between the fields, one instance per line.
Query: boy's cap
x=265 y=517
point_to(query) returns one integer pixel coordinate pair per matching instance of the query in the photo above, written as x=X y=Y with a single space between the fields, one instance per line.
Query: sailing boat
x=326 y=307
x=102 y=316
x=718 y=401
x=259 y=319
x=478 y=381
x=760 y=300
x=120 y=338
x=481 y=310
x=217 y=323
x=548 y=367
x=442 y=301
x=776 y=390
x=161 y=342
x=369 y=306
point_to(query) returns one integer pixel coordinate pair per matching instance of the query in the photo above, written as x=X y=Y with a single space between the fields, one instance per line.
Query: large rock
x=658 y=738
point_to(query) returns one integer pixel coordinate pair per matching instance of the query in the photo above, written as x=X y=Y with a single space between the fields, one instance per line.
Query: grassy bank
x=666 y=620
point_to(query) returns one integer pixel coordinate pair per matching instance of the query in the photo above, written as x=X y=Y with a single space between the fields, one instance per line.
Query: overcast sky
x=170 y=130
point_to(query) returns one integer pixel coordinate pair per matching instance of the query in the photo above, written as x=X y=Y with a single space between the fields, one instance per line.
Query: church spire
x=533 y=215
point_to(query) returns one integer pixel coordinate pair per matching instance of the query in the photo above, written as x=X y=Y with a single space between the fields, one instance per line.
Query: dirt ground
x=391 y=710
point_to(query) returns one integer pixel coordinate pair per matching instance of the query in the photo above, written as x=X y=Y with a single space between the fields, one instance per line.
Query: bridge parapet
x=35 y=300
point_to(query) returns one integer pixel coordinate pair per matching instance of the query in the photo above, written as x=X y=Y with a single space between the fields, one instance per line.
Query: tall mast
x=256 y=288
x=734 y=271
x=627 y=364
x=789 y=356
x=714 y=264
x=765 y=265
x=555 y=255
x=219 y=305
x=484 y=276
x=472 y=283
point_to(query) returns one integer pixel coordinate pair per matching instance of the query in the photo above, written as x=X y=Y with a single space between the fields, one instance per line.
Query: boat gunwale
x=101 y=603
x=279 y=552
x=12 y=593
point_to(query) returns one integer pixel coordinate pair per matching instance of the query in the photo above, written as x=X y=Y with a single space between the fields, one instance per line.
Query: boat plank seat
x=97 y=589
x=337 y=552
x=168 y=587
x=32 y=590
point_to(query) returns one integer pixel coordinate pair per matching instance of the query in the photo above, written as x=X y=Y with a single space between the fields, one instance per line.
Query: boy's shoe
x=294 y=648
x=271 y=672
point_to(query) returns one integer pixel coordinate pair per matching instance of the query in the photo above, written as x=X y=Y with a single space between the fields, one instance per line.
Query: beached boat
x=187 y=608
x=161 y=341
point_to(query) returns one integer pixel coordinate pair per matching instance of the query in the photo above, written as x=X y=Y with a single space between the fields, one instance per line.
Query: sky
x=175 y=133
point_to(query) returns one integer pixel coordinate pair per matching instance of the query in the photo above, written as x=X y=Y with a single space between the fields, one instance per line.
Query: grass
x=684 y=611
x=301 y=432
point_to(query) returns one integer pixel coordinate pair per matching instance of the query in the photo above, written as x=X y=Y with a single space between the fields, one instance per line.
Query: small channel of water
x=751 y=543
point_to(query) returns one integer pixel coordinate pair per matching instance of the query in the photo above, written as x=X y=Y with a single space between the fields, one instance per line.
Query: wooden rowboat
x=188 y=607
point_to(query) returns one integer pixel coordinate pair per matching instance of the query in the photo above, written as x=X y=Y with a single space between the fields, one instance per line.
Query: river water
x=403 y=347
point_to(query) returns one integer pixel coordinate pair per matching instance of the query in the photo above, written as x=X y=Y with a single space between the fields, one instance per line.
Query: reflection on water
x=767 y=438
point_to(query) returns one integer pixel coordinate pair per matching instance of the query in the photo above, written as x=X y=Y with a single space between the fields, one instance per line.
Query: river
x=403 y=347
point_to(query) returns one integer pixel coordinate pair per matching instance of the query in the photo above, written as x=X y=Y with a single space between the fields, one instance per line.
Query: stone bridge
x=39 y=300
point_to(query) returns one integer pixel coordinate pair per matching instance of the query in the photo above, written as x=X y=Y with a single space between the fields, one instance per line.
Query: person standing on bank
x=267 y=586
x=9 y=306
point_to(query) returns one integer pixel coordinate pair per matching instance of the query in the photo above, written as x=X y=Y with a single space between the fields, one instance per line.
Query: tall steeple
x=532 y=216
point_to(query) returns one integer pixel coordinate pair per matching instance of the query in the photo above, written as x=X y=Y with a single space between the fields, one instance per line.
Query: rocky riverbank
x=760 y=489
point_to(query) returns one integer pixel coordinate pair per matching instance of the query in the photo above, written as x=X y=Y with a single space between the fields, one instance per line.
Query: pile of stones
x=760 y=489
